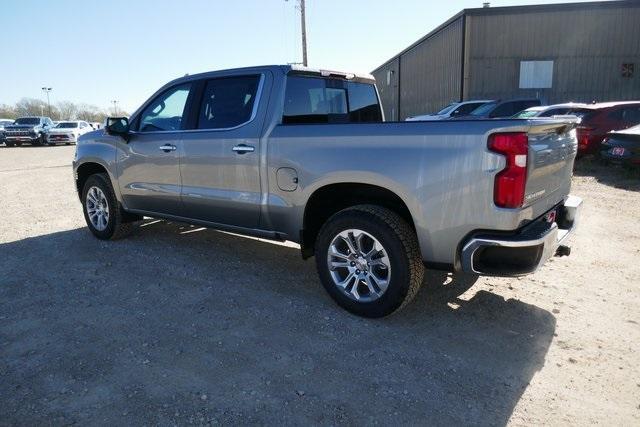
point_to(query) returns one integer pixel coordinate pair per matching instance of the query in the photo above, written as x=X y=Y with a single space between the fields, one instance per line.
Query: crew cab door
x=220 y=166
x=149 y=166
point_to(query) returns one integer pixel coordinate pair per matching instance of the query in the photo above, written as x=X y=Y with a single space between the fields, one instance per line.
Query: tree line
x=63 y=110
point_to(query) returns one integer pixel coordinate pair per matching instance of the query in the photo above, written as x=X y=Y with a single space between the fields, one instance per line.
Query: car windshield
x=483 y=109
x=446 y=109
x=67 y=125
x=28 y=121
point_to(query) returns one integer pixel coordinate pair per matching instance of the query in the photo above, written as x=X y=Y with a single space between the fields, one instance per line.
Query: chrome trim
x=244 y=149
x=550 y=240
x=168 y=147
x=254 y=113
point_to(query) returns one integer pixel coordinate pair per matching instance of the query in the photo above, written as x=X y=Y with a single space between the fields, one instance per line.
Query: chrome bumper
x=524 y=251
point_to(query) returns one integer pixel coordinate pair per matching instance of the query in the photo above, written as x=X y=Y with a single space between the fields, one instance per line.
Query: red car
x=603 y=118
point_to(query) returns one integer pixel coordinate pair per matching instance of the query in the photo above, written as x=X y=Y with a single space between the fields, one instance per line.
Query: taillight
x=508 y=191
x=584 y=135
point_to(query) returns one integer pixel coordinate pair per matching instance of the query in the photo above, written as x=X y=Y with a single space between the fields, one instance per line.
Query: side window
x=555 y=112
x=228 y=102
x=465 y=109
x=166 y=112
x=503 y=110
x=631 y=115
x=310 y=100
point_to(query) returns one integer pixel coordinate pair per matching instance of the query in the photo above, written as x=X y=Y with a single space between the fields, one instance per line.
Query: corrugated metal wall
x=425 y=77
x=387 y=82
x=588 y=47
x=437 y=59
x=588 y=43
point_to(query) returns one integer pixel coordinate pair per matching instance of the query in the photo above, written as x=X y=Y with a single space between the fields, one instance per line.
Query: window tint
x=318 y=100
x=363 y=103
x=631 y=115
x=504 y=110
x=166 y=111
x=465 y=109
x=555 y=112
x=228 y=102
x=484 y=109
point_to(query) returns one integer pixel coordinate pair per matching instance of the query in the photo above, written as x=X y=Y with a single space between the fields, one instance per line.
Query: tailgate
x=552 y=149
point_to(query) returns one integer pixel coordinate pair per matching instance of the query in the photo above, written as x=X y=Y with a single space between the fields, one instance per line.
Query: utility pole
x=303 y=26
x=47 y=90
x=115 y=107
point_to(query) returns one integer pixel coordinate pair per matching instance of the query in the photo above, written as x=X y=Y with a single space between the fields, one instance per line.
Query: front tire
x=369 y=260
x=39 y=142
x=102 y=212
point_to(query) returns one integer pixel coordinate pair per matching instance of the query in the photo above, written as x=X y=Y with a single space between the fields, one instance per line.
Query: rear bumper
x=524 y=251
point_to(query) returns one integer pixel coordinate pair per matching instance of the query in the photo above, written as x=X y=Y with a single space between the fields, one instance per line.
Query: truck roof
x=285 y=69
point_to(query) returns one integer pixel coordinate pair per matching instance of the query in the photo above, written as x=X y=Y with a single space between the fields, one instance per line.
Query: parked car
x=572 y=108
x=605 y=117
x=28 y=129
x=452 y=110
x=68 y=132
x=622 y=146
x=3 y=123
x=501 y=109
x=292 y=153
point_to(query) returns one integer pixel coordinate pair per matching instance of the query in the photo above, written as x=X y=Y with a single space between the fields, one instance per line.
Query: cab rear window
x=311 y=100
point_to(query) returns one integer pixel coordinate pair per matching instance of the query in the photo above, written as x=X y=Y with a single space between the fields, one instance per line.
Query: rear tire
x=384 y=282
x=103 y=213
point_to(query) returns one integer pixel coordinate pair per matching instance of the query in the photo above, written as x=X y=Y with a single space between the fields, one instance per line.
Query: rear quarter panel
x=442 y=171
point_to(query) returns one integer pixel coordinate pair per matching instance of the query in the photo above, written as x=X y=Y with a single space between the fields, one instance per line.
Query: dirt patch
x=181 y=325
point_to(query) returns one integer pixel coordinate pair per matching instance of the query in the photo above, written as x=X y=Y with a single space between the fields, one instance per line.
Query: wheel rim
x=359 y=265
x=97 y=208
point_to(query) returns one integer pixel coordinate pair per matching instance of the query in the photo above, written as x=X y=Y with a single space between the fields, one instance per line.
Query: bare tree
x=67 y=110
x=7 y=112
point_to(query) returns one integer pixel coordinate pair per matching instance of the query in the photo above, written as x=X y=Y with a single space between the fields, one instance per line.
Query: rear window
x=310 y=100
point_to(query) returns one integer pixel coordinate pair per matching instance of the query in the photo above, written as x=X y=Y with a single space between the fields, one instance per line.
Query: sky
x=94 y=52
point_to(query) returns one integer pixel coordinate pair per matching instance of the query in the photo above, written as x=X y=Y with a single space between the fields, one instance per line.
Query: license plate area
x=618 y=151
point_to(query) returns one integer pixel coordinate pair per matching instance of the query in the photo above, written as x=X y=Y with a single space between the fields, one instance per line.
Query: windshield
x=67 y=125
x=484 y=109
x=28 y=121
x=447 y=109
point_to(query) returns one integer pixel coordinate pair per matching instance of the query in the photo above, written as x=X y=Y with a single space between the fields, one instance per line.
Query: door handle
x=242 y=148
x=168 y=147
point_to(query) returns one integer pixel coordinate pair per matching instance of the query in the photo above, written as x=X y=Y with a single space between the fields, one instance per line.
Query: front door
x=220 y=166
x=149 y=166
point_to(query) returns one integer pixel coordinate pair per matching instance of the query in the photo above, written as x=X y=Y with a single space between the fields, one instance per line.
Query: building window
x=536 y=74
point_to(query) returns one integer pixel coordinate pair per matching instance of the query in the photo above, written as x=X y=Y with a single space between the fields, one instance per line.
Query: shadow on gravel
x=617 y=176
x=177 y=325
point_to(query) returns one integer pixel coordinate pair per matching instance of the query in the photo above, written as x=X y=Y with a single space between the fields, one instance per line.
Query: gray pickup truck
x=289 y=153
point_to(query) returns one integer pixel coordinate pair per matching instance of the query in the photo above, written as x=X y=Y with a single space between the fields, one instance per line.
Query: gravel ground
x=180 y=325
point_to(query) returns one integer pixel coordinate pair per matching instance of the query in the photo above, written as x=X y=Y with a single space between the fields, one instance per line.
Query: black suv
x=28 y=129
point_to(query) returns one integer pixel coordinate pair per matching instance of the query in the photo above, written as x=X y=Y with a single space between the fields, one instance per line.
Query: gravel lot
x=181 y=325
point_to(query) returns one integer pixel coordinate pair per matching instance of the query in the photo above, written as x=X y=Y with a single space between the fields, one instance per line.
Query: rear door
x=149 y=169
x=221 y=156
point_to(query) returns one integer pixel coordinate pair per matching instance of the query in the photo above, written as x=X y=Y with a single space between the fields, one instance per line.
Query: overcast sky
x=96 y=51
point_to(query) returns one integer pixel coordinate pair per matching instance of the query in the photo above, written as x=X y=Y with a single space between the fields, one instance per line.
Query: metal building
x=577 y=52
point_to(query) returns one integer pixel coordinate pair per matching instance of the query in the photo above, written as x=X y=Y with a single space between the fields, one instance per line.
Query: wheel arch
x=334 y=197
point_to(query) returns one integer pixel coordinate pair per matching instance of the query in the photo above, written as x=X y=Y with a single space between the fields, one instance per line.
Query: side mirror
x=118 y=126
